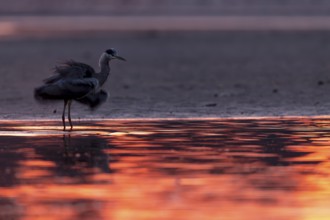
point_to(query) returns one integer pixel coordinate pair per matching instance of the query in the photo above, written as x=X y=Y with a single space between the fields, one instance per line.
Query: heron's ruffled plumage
x=71 y=69
x=93 y=100
x=73 y=80
x=67 y=89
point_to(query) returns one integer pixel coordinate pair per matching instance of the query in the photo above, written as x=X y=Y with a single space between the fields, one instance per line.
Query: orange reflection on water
x=170 y=169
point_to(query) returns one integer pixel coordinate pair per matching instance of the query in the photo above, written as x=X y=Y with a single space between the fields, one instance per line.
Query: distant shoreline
x=34 y=25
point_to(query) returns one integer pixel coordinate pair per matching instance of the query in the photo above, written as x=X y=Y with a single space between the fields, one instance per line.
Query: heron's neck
x=105 y=69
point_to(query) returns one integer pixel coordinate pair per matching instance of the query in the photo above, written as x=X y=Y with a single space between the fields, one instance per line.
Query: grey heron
x=77 y=81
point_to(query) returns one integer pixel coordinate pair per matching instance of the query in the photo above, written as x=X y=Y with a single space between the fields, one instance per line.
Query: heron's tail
x=94 y=100
x=44 y=93
x=39 y=93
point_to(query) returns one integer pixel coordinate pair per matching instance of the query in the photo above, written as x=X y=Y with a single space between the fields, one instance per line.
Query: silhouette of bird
x=77 y=81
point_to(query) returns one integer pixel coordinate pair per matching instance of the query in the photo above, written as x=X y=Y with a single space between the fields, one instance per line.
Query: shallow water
x=166 y=169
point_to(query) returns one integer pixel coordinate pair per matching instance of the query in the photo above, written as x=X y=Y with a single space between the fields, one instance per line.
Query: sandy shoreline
x=178 y=74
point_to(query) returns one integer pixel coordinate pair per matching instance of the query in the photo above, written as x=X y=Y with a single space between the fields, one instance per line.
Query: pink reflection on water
x=184 y=169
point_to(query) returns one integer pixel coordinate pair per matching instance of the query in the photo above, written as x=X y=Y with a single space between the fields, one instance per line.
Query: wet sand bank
x=178 y=74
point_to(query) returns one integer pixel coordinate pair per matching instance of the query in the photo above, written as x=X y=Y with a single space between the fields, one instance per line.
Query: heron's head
x=112 y=54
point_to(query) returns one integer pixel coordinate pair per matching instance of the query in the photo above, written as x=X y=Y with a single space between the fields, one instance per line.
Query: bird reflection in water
x=54 y=172
x=85 y=153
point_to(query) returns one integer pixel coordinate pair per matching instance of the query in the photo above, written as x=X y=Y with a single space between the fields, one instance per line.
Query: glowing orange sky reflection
x=166 y=169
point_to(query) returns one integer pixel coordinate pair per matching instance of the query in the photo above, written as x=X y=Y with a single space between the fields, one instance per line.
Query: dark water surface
x=166 y=169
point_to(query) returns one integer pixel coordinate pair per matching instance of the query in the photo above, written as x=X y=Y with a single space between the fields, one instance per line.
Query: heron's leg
x=63 y=114
x=69 y=114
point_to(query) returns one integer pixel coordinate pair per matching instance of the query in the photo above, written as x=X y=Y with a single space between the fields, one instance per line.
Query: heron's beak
x=119 y=58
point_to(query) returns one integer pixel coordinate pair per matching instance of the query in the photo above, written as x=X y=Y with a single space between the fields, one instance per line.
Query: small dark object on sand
x=79 y=82
x=211 y=105
x=320 y=83
x=126 y=86
x=275 y=91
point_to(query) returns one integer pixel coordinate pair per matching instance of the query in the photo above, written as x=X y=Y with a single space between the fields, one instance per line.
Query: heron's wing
x=94 y=100
x=71 y=69
x=67 y=89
